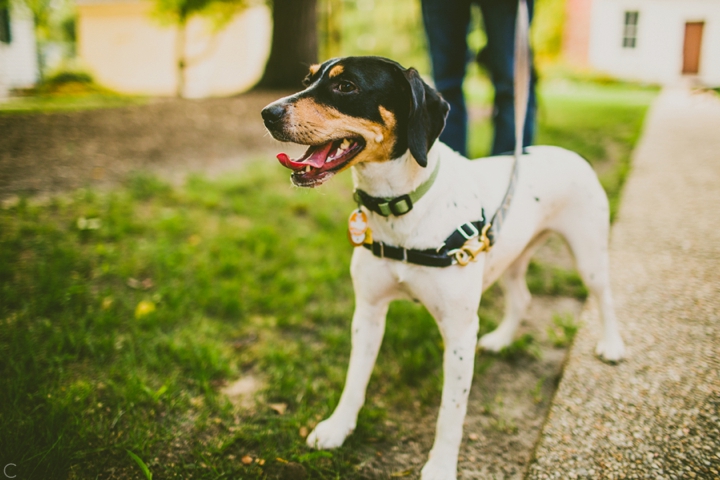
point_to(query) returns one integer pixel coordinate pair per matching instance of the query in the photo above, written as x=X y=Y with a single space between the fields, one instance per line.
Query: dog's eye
x=345 y=87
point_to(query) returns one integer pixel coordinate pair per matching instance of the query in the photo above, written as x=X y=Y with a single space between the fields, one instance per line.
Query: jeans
x=447 y=24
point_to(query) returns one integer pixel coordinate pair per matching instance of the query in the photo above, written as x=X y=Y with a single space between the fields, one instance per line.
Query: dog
x=382 y=121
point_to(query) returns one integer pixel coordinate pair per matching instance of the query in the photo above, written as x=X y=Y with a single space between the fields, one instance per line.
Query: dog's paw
x=495 y=341
x=611 y=351
x=329 y=434
x=439 y=470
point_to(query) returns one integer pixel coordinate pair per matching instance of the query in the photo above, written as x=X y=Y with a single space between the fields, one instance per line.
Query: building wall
x=576 y=32
x=18 y=59
x=129 y=51
x=658 y=56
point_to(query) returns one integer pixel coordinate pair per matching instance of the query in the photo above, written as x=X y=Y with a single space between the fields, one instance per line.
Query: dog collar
x=396 y=205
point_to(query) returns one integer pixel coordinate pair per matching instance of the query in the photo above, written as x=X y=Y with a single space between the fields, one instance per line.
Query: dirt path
x=655 y=415
x=54 y=152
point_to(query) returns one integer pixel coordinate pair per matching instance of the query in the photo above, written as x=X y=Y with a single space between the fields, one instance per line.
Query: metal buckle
x=469 y=253
x=473 y=231
x=400 y=205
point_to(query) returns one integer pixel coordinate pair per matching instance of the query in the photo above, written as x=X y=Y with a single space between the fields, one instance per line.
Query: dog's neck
x=394 y=177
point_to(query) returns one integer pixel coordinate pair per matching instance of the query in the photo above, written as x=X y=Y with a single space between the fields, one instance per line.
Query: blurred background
x=202 y=48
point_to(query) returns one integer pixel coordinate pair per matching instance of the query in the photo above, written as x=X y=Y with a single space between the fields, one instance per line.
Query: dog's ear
x=427 y=116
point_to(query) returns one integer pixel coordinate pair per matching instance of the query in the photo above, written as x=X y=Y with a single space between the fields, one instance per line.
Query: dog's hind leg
x=588 y=241
x=517 y=299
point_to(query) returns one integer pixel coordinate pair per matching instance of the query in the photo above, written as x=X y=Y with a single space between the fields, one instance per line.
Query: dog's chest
x=460 y=195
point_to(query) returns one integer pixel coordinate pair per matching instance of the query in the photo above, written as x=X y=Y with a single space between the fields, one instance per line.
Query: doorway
x=692 y=46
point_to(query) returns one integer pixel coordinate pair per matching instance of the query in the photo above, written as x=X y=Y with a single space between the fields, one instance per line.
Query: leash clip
x=470 y=251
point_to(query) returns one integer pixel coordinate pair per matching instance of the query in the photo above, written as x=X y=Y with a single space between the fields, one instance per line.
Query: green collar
x=398 y=205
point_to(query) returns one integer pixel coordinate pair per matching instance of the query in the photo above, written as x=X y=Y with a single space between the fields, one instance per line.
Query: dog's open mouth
x=320 y=162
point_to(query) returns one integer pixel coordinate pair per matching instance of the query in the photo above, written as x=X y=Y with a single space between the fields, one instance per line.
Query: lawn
x=67 y=92
x=123 y=315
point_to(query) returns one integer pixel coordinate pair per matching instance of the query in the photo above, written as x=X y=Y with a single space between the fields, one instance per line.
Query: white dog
x=382 y=121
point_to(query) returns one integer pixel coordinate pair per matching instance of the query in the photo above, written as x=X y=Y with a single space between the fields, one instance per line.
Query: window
x=5 y=24
x=630 y=29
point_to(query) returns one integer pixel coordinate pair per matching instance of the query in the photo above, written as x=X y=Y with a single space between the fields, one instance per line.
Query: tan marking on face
x=311 y=123
x=336 y=70
x=314 y=69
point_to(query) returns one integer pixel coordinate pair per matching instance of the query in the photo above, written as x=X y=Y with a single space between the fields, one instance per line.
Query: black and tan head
x=353 y=110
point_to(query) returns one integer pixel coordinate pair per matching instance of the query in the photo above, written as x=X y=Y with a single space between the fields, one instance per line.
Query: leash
x=521 y=85
x=471 y=238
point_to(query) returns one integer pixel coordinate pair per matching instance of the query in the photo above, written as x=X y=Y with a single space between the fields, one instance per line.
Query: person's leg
x=498 y=57
x=446 y=25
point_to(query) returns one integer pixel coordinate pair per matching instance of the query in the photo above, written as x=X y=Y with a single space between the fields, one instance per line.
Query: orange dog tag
x=357 y=227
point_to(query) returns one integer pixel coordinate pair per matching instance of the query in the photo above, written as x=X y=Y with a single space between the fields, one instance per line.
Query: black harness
x=459 y=248
x=444 y=256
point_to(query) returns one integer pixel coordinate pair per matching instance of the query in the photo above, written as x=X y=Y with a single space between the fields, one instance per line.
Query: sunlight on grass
x=53 y=103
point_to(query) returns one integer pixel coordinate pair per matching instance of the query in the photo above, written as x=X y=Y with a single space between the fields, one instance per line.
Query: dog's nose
x=273 y=113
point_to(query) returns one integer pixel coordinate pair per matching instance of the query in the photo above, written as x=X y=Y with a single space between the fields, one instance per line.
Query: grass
x=63 y=103
x=67 y=92
x=123 y=313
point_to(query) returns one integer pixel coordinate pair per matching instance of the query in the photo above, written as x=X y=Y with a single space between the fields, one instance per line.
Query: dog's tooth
x=307 y=169
x=345 y=144
x=338 y=152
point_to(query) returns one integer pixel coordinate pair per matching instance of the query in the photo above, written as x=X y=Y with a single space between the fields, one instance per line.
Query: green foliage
x=65 y=77
x=536 y=392
x=374 y=27
x=551 y=280
x=547 y=29
x=178 y=12
x=67 y=90
x=141 y=464
x=563 y=330
x=525 y=346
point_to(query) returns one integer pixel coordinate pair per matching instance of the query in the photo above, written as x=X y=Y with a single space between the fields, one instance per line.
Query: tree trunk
x=294 y=43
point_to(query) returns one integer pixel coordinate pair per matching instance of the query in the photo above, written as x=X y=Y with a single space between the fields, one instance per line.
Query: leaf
x=141 y=464
x=144 y=308
x=404 y=473
x=278 y=407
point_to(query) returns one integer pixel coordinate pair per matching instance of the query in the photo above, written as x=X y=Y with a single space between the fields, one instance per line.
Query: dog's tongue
x=314 y=156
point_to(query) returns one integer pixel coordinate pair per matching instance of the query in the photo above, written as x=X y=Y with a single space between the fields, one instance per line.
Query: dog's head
x=356 y=109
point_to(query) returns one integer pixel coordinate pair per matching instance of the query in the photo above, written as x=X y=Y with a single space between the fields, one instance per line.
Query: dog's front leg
x=460 y=338
x=368 y=326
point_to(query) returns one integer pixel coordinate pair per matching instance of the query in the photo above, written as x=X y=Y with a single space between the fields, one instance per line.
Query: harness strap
x=396 y=205
x=428 y=258
x=440 y=257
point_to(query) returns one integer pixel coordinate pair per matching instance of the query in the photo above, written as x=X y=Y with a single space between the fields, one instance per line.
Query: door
x=691 y=49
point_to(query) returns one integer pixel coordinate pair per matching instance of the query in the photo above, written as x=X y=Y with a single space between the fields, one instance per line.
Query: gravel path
x=656 y=415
